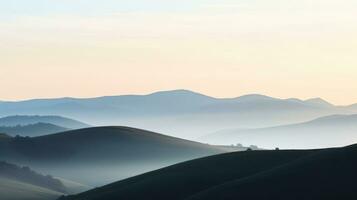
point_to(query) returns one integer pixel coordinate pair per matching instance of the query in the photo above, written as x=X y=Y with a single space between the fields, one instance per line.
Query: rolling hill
x=26 y=175
x=22 y=183
x=288 y=174
x=32 y=129
x=180 y=113
x=330 y=131
x=24 y=120
x=119 y=152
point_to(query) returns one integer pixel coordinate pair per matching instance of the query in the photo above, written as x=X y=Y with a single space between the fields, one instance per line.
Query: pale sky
x=223 y=48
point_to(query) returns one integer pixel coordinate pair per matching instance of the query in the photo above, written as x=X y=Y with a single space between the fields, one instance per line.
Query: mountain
x=330 y=131
x=179 y=113
x=32 y=129
x=319 y=102
x=24 y=120
x=290 y=174
x=22 y=183
x=119 y=152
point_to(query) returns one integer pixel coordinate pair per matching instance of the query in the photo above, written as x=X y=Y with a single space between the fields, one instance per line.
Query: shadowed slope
x=309 y=174
x=328 y=174
x=185 y=179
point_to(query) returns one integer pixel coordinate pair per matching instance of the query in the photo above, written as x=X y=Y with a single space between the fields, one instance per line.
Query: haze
x=225 y=48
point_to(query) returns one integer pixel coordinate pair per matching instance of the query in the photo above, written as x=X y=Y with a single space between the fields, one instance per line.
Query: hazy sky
x=223 y=48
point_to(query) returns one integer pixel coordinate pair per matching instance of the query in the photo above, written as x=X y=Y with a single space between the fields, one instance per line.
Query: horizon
x=174 y=90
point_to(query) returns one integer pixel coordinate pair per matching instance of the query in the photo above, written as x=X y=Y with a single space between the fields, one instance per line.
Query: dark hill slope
x=329 y=174
x=183 y=180
x=316 y=175
x=111 y=153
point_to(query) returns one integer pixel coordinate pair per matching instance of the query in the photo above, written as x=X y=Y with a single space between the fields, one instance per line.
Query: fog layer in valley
x=180 y=113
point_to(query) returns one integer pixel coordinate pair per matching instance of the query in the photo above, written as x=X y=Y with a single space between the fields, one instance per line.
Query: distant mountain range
x=180 y=113
x=24 y=120
x=31 y=130
x=330 y=131
x=119 y=152
x=326 y=174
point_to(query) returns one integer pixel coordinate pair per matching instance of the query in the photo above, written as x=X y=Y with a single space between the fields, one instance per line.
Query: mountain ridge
x=181 y=113
x=22 y=120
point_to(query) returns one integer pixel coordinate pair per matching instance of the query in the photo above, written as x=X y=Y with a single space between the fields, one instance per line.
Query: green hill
x=304 y=174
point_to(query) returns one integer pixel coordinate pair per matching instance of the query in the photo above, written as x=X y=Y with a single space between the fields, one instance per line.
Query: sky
x=222 y=48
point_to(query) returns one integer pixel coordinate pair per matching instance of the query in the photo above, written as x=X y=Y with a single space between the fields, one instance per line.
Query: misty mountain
x=32 y=129
x=119 y=152
x=24 y=120
x=244 y=175
x=319 y=102
x=330 y=131
x=180 y=113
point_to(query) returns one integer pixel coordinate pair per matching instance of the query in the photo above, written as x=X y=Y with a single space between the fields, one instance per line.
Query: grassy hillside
x=32 y=129
x=109 y=152
x=309 y=174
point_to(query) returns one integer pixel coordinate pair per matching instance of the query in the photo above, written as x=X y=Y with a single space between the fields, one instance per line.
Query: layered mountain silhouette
x=277 y=174
x=24 y=120
x=119 y=152
x=32 y=129
x=22 y=183
x=180 y=113
x=330 y=131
